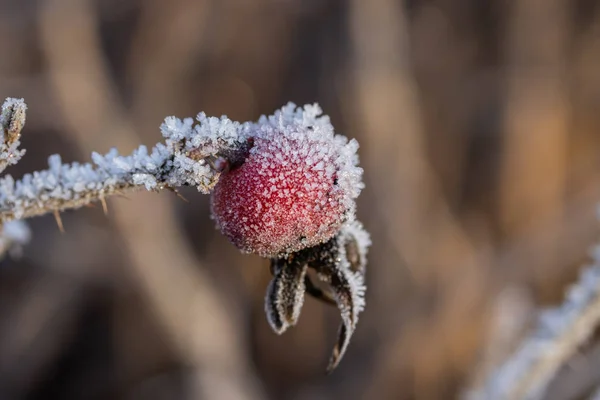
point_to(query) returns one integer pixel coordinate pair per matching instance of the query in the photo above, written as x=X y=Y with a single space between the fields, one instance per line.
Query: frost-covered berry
x=295 y=187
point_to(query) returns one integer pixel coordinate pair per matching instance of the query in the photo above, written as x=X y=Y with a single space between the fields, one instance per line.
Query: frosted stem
x=184 y=159
x=555 y=339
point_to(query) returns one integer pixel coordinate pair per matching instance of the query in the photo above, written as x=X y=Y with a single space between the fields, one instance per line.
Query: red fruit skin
x=281 y=199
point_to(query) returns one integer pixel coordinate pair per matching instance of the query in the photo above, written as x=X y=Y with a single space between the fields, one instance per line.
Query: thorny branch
x=184 y=159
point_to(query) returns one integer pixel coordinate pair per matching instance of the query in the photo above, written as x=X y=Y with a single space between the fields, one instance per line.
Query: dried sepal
x=349 y=289
x=341 y=263
x=356 y=241
x=285 y=293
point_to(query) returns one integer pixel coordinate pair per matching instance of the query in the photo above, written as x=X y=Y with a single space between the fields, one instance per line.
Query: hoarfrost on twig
x=182 y=160
x=558 y=334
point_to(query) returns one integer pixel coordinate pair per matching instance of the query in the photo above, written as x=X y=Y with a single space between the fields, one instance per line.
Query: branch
x=186 y=158
x=555 y=339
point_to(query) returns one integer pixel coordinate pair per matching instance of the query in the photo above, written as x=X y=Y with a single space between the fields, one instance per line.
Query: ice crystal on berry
x=295 y=188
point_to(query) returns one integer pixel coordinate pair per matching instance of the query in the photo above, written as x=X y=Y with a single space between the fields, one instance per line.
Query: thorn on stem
x=104 y=205
x=172 y=189
x=59 y=222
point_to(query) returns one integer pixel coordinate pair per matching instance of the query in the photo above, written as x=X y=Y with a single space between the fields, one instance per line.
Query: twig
x=179 y=161
x=555 y=339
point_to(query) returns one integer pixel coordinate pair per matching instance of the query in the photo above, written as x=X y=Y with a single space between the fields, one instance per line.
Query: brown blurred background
x=479 y=126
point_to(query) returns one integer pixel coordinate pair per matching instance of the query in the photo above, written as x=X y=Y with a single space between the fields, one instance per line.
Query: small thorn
x=104 y=205
x=181 y=197
x=59 y=222
x=172 y=189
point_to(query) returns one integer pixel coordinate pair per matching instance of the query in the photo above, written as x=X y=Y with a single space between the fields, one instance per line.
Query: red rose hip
x=294 y=188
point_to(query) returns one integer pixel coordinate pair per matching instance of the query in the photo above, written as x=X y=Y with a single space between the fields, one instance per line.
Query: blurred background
x=480 y=139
